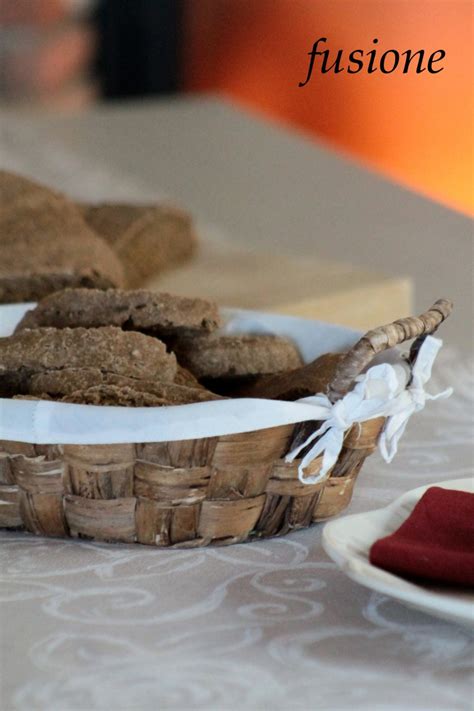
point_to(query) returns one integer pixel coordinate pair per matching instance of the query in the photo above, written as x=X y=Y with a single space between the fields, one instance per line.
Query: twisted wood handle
x=384 y=337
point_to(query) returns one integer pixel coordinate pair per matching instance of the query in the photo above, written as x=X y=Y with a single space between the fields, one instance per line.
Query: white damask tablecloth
x=268 y=625
x=272 y=624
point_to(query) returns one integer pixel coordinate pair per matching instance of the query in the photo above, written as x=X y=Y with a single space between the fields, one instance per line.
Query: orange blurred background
x=415 y=128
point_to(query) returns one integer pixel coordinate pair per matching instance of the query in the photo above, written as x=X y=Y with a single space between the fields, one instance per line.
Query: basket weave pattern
x=193 y=493
x=189 y=493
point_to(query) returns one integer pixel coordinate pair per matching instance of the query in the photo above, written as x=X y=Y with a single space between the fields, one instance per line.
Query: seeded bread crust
x=58 y=383
x=108 y=349
x=102 y=395
x=132 y=397
x=114 y=396
x=222 y=356
x=140 y=310
x=108 y=395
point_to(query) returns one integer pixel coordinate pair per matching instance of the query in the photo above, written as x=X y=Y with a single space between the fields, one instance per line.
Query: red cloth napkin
x=435 y=543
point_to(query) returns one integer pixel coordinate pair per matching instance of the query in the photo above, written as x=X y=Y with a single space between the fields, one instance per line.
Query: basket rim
x=252 y=414
x=39 y=421
x=28 y=420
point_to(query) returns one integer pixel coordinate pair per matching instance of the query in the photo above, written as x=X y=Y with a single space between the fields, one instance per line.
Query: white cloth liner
x=379 y=392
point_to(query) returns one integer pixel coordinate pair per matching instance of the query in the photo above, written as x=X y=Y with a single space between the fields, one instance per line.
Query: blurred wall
x=418 y=129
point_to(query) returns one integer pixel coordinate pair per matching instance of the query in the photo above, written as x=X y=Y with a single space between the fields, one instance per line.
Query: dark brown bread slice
x=69 y=380
x=109 y=349
x=175 y=394
x=72 y=380
x=29 y=286
x=113 y=395
x=147 y=238
x=140 y=310
x=310 y=379
x=57 y=382
x=45 y=246
x=128 y=396
x=186 y=378
x=222 y=356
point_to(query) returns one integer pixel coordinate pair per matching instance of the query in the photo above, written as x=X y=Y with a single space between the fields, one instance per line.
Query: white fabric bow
x=380 y=392
x=411 y=400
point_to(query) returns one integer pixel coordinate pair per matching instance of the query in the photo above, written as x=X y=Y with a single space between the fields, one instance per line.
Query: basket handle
x=384 y=337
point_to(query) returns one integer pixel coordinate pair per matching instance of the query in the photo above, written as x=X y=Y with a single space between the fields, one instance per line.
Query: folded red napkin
x=435 y=543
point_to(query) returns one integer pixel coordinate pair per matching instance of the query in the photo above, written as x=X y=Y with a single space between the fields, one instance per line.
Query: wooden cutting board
x=314 y=288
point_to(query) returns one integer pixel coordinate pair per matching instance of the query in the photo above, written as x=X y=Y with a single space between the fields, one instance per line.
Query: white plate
x=348 y=540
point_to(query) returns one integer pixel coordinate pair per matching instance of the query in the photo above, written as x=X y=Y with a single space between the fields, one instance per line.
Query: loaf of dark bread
x=309 y=379
x=109 y=349
x=73 y=381
x=45 y=246
x=223 y=356
x=155 y=313
x=148 y=238
x=17 y=190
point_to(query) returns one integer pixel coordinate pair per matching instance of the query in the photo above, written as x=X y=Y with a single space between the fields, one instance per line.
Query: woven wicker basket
x=194 y=493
